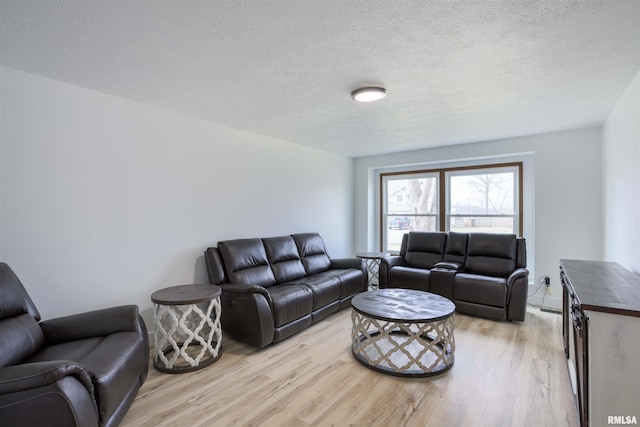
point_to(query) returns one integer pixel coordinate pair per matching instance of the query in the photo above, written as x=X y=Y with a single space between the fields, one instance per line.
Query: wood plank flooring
x=505 y=374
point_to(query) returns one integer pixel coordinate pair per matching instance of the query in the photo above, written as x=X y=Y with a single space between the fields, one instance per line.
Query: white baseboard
x=543 y=301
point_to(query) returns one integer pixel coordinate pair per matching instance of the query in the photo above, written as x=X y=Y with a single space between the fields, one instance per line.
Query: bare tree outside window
x=422 y=193
x=411 y=205
x=482 y=202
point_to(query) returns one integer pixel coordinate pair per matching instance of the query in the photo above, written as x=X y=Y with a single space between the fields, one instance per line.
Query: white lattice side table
x=403 y=332
x=187 y=330
x=373 y=266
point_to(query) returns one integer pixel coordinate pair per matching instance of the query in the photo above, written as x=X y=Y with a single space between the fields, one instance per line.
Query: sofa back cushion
x=424 y=249
x=284 y=258
x=456 y=247
x=491 y=254
x=312 y=252
x=245 y=261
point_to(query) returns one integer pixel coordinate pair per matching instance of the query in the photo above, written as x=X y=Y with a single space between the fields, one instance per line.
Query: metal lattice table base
x=373 y=267
x=372 y=260
x=403 y=349
x=187 y=337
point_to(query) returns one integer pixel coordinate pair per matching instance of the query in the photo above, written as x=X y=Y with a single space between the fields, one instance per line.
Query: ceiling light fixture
x=368 y=94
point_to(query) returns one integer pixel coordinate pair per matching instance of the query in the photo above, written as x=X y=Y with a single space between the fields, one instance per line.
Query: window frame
x=443 y=194
x=386 y=214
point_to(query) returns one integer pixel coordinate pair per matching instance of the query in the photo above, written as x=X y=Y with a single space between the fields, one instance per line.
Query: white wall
x=561 y=195
x=104 y=200
x=621 y=179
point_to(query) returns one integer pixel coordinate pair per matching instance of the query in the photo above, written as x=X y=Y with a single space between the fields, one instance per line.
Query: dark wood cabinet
x=601 y=332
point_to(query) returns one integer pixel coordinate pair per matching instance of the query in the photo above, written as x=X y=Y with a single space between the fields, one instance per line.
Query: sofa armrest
x=386 y=264
x=91 y=324
x=248 y=313
x=215 y=266
x=392 y=261
x=47 y=393
x=517 y=274
x=455 y=266
x=28 y=376
x=243 y=288
x=517 y=289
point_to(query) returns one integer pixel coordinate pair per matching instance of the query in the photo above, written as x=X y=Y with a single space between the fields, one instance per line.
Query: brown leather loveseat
x=82 y=370
x=484 y=274
x=275 y=287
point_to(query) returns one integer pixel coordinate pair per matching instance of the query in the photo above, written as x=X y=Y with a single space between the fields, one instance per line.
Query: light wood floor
x=505 y=374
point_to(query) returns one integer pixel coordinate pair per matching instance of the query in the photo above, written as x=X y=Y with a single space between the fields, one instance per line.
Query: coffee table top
x=185 y=294
x=403 y=305
x=371 y=255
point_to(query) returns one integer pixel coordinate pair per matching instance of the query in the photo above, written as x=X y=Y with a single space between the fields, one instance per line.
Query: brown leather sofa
x=483 y=274
x=81 y=370
x=275 y=287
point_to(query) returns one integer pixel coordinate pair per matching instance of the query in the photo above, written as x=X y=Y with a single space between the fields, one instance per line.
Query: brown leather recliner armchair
x=80 y=370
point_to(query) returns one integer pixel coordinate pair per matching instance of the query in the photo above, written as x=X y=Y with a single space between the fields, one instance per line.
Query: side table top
x=371 y=255
x=185 y=294
x=403 y=305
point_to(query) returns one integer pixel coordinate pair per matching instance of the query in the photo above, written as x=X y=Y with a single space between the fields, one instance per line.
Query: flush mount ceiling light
x=368 y=94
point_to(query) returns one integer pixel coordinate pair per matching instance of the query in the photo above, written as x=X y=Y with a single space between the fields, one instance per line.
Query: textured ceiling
x=456 y=71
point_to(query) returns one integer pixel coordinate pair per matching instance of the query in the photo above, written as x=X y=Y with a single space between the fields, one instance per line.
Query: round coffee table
x=188 y=334
x=403 y=332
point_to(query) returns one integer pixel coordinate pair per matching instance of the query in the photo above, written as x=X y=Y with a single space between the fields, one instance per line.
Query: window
x=483 y=200
x=472 y=199
x=411 y=203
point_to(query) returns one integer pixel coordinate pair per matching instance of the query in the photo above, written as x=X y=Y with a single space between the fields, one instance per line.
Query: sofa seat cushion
x=350 y=280
x=290 y=302
x=114 y=363
x=325 y=289
x=410 y=278
x=72 y=350
x=479 y=289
